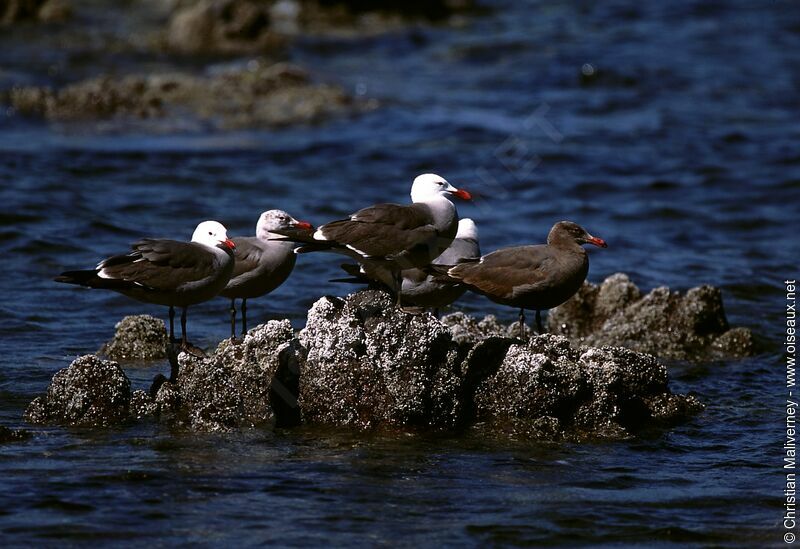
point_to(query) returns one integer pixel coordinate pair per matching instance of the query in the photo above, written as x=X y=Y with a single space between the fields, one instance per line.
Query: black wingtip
x=301 y=236
x=315 y=247
x=65 y=277
x=82 y=278
x=349 y=280
x=352 y=270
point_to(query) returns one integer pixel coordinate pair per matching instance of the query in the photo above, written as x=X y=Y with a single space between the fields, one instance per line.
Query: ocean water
x=671 y=130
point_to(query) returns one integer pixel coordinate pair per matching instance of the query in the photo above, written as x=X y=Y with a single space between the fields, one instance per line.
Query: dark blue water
x=669 y=129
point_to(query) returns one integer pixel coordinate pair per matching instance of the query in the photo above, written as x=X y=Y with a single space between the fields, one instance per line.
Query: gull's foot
x=234 y=341
x=413 y=310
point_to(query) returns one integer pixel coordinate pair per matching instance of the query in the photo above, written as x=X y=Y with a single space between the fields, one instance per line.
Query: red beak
x=229 y=243
x=305 y=225
x=598 y=242
x=462 y=194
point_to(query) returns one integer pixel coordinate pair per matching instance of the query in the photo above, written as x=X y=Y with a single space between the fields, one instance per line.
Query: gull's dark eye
x=210 y=233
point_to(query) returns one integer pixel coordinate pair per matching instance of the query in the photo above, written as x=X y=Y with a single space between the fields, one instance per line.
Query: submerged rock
x=258 y=95
x=13 y=11
x=663 y=323
x=13 y=435
x=90 y=392
x=137 y=337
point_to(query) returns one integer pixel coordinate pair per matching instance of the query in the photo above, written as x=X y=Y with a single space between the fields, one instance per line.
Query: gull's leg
x=184 y=341
x=171 y=324
x=185 y=345
x=398 y=286
x=233 y=319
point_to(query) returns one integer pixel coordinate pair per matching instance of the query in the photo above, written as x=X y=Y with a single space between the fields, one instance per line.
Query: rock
x=370 y=365
x=251 y=26
x=663 y=323
x=55 y=11
x=258 y=95
x=284 y=16
x=223 y=26
x=362 y=363
x=13 y=435
x=465 y=329
x=138 y=337
x=90 y=392
x=167 y=401
x=36 y=411
x=142 y=405
x=245 y=384
x=545 y=389
x=668 y=409
x=97 y=98
x=13 y=11
x=736 y=342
